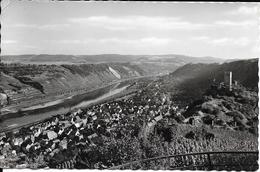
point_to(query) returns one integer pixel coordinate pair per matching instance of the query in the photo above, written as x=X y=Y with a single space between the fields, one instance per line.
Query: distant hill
x=193 y=79
x=41 y=59
x=173 y=58
x=150 y=66
x=153 y=64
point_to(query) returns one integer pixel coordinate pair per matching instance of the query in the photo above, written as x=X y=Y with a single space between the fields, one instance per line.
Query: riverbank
x=14 y=127
x=25 y=118
x=51 y=100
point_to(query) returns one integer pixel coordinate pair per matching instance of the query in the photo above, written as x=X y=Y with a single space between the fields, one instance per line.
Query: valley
x=125 y=113
x=129 y=86
x=23 y=84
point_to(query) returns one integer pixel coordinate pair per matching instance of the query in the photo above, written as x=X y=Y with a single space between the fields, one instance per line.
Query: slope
x=191 y=80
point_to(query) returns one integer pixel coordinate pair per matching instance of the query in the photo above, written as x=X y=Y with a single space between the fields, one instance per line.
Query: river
x=40 y=112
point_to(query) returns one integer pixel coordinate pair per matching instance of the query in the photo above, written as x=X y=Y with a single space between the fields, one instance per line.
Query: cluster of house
x=55 y=139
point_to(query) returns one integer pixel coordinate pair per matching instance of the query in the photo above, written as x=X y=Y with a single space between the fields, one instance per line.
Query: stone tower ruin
x=228 y=80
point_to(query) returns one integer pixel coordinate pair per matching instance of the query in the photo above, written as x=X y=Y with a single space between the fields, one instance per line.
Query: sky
x=224 y=30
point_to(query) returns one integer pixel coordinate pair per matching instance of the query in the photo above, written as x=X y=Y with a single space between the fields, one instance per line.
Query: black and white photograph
x=113 y=85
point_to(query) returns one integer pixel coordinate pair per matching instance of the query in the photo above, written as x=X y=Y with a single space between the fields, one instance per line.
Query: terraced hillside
x=24 y=82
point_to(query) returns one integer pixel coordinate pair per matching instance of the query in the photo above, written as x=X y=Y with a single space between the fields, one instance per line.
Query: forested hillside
x=192 y=80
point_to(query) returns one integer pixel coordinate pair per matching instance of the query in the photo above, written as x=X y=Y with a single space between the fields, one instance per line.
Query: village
x=85 y=128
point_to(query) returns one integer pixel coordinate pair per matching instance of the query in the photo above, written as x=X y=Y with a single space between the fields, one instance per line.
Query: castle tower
x=228 y=79
x=0 y=69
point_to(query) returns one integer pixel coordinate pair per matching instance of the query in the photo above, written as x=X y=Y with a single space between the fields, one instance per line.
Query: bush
x=180 y=118
x=190 y=135
x=208 y=119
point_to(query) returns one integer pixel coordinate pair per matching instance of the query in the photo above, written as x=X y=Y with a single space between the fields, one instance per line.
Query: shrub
x=208 y=119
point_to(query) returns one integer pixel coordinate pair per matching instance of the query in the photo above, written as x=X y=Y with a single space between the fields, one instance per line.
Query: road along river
x=38 y=113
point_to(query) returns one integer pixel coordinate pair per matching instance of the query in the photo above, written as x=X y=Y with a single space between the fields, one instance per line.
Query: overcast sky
x=226 y=30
